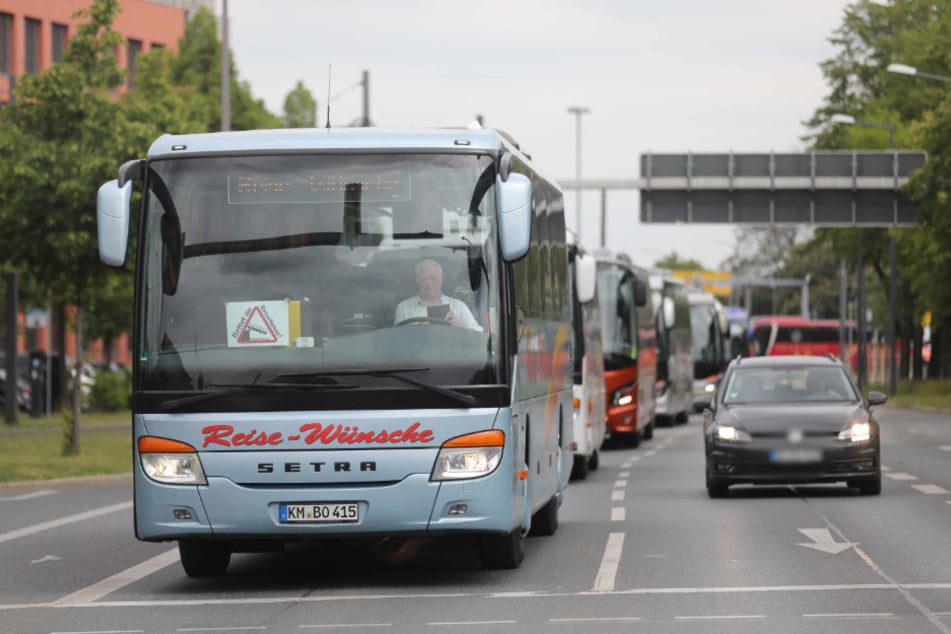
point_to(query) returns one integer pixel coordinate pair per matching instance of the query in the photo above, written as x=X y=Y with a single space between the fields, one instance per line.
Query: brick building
x=33 y=36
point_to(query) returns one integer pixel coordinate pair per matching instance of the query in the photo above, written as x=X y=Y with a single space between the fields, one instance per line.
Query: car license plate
x=320 y=512
x=795 y=456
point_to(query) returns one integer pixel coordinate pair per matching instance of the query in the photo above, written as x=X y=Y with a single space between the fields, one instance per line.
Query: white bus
x=278 y=397
x=590 y=415
x=674 y=357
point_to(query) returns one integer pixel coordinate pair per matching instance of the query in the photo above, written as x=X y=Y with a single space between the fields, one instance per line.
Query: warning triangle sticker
x=257 y=329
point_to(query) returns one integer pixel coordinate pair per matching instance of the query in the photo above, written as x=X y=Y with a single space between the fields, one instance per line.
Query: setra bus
x=630 y=348
x=294 y=380
x=709 y=339
x=590 y=417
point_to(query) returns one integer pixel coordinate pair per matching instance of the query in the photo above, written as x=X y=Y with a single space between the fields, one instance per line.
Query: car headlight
x=857 y=431
x=729 y=433
x=170 y=461
x=469 y=456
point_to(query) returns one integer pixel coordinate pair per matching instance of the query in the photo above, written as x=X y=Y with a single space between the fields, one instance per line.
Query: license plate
x=320 y=512
x=795 y=456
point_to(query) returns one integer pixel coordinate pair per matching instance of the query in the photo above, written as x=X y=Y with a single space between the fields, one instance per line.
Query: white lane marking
x=533 y=594
x=715 y=617
x=598 y=619
x=607 y=572
x=620 y=484
x=45 y=559
x=327 y=626
x=901 y=476
x=239 y=628
x=617 y=495
x=96 y=591
x=437 y=623
x=945 y=447
x=650 y=453
x=101 y=632
x=929 y=489
x=633 y=460
x=617 y=514
x=856 y=615
x=823 y=541
x=28 y=496
x=624 y=474
x=70 y=519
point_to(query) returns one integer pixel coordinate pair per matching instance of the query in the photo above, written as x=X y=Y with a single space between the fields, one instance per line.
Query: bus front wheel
x=203 y=558
x=502 y=552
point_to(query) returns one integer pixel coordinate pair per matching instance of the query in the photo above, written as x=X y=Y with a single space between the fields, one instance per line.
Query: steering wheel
x=423 y=320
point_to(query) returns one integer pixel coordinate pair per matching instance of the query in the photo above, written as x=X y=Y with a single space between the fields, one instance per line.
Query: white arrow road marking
x=823 y=541
x=47 y=558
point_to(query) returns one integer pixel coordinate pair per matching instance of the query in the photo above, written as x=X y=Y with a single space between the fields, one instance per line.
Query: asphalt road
x=640 y=549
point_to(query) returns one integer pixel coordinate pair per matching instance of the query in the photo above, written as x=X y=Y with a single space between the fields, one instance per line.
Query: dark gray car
x=790 y=420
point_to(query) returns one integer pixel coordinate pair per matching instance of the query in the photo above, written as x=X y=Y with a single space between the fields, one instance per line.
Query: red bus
x=789 y=334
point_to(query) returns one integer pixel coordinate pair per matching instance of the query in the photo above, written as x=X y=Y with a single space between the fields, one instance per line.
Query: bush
x=112 y=391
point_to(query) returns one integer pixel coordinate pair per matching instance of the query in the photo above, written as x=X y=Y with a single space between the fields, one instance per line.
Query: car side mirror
x=876 y=398
x=702 y=402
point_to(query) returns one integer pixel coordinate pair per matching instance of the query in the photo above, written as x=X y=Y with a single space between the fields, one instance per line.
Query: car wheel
x=203 y=558
x=871 y=486
x=716 y=488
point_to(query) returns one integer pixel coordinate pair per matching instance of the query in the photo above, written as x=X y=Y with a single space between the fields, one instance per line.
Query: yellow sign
x=716 y=282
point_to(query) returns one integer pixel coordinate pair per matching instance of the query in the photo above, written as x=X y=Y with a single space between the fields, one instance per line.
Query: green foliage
x=673 y=261
x=300 y=108
x=112 y=391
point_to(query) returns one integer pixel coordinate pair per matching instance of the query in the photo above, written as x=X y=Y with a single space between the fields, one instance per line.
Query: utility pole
x=578 y=111
x=225 y=70
x=366 y=99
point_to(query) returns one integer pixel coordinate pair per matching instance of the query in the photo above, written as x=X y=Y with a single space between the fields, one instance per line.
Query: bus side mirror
x=514 y=212
x=172 y=253
x=640 y=292
x=586 y=270
x=112 y=221
x=669 y=313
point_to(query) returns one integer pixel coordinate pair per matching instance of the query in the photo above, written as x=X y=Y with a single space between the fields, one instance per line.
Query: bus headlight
x=170 y=461
x=469 y=456
x=623 y=396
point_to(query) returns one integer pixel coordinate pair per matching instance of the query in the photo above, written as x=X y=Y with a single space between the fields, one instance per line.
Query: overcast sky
x=657 y=75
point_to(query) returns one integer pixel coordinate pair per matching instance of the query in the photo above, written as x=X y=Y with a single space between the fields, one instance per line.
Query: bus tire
x=204 y=558
x=545 y=521
x=503 y=552
x=648 y=431
x=595 y=461
x=579 y=469
x=632 y=440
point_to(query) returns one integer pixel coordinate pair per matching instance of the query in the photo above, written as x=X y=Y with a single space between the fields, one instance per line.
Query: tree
x=57 y=144
x=300 y=108
x=673 y=262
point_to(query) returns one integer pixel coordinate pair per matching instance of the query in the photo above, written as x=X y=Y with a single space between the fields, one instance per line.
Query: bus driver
x=429 y=279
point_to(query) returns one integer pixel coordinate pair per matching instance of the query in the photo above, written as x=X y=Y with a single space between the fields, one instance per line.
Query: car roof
x=788 y=360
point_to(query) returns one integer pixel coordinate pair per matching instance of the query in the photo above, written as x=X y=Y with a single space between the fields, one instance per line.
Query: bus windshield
x=616 y=297
x=291 y=268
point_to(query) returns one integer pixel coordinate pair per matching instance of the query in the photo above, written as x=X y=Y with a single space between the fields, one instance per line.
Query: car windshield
x=788 y=384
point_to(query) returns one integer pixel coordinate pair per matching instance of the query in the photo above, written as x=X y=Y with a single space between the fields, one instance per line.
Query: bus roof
x=303 y=139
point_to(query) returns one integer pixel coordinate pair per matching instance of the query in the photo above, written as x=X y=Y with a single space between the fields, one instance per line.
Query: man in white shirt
x=429 y=279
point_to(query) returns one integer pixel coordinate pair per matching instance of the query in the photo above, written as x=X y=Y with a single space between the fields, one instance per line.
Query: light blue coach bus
x=278 y=394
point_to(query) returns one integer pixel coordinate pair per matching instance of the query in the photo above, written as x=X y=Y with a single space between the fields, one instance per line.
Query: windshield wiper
x=235 y=389
x=394 y=373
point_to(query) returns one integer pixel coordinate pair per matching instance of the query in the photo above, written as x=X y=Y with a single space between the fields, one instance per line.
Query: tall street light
x=848 y=119
x=903 y=69
x=578 y=111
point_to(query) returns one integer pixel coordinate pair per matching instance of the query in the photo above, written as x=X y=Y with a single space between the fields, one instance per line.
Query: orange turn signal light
x=154 y=444
x=491 y=438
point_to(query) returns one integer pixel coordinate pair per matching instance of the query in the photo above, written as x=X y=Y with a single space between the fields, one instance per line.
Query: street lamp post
x=848 y=119
x=903 y=69
x=578 y=111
